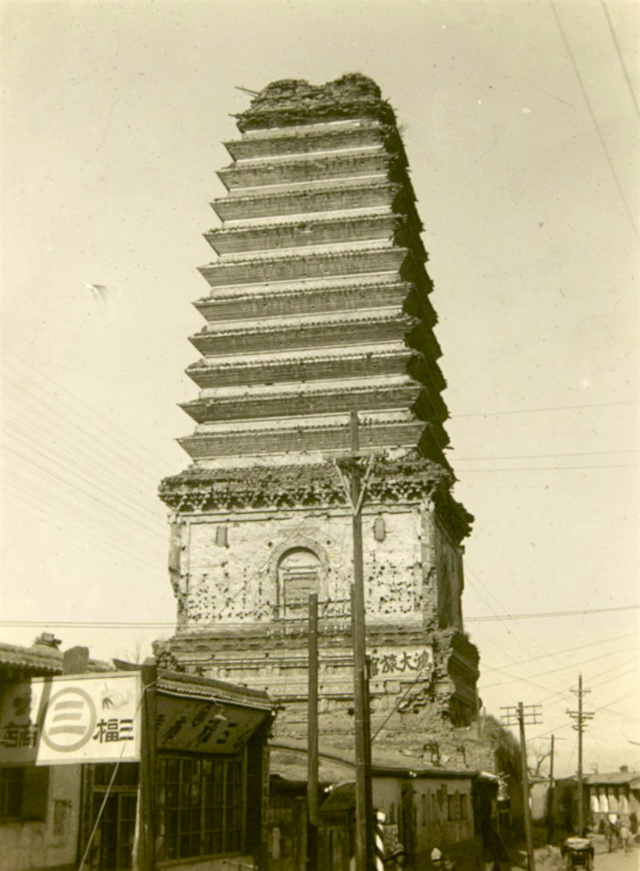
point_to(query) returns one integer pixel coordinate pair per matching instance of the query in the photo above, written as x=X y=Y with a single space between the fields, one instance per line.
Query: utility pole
x=146 y=859
x=511 y=717
x=355 y=471
x=550 y=795
x=552 y=786
x=551 y=791
x=580 y=717
x=312 y=738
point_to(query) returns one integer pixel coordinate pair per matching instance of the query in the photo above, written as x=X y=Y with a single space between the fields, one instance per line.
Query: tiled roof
x=614 y=777
x=33 y=660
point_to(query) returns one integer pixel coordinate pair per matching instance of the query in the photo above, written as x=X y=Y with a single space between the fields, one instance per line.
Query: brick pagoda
x=319 y=306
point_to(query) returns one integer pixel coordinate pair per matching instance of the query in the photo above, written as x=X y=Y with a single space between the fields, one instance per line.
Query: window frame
x=12 y=783
x=28 y=802
x=196 y=818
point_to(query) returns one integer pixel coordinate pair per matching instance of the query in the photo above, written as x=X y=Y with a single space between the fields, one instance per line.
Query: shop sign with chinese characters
x=204 y=726
x=67 y=720
x=409 y=663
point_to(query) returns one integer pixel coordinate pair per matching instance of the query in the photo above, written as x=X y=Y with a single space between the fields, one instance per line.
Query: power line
x=82 y=429
x=554 y=468
x=125 y=551
x=143 y=625
x=599 y=674
x=44 y=500
x=75 y=479
x=43 y=428
x=545 y=409
x=594 y=119
x=95 y=542
x=66 y=483
x=541 y=614
x=545 y=456
x=516 y=638
x=144 y=449
x=623 y=66
x=515 y=678
x=566 y=650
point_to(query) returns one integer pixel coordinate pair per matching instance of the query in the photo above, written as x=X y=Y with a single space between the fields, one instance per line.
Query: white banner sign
x=67 y=720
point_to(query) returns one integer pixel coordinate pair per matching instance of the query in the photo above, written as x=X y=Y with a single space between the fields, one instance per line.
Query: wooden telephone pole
x=511 y=717
x=355 y=471
x=580 y=717
x=312 y=738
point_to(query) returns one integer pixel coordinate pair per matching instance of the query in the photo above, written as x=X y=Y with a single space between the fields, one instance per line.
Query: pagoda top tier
x=318 y=302
x=291 y=102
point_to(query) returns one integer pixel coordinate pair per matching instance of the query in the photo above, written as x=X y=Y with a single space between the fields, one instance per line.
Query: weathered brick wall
x=308 y=169
x=375 y=433
x=237 y=581
x=369 y=133
x=308 y=301
x=51 y=843
x=298 y=266
x=329 y=231
x=336 y=196
x=360 y=365
x=234 y=626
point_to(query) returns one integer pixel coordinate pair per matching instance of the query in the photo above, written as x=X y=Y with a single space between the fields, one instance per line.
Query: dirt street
x=618 y=860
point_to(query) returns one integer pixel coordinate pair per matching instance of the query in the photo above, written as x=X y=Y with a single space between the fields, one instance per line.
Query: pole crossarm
x=531 y=715
x=355 y=473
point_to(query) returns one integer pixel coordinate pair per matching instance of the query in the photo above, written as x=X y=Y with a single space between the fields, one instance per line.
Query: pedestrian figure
x=440 y=862
x=625 y=837
x=397 y=859
x=437 y=859
x=611 y=836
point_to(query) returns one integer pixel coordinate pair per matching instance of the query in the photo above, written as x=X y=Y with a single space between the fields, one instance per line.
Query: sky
x=521 y=124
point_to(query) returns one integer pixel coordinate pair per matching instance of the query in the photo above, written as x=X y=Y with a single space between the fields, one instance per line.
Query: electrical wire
x=554 y=468
x=47 y=418
x=594 y=120
x=145 y=452
x=543 y=409
x=545 y=614
x=515 y=679
x=74 y=479
x=143 y=625
x=69 y=485
x=565 y=650
x=623 y=66
x=54 y=504
x=544 y=456
x=122 y=554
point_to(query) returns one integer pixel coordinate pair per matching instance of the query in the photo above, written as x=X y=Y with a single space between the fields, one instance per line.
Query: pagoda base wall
x=418 y=699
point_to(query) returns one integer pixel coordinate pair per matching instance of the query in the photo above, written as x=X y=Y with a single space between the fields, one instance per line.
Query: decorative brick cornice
x=408 y=479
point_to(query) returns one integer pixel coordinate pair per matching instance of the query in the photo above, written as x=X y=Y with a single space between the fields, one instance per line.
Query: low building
x=616 y=793
x=183 y=781
x=454 y=810
x=39 y=805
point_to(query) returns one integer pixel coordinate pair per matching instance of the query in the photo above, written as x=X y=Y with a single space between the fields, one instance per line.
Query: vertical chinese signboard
x=84 y=718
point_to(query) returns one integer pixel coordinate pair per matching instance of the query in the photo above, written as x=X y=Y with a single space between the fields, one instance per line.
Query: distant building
x=616 y=793
x=319 y=308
